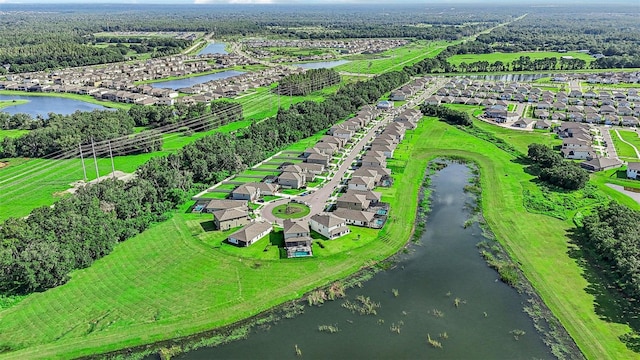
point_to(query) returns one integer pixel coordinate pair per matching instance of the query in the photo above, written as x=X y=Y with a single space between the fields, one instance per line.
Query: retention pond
x=440 y=288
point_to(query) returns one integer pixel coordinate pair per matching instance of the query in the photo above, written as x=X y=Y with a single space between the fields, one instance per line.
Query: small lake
x=214 y=48
x=443 y=266
x=321 y=64
x=510 y=77
x=181 y=83
x=43 y=105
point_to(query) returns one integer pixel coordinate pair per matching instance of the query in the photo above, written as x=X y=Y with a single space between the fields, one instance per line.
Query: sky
x=298 y=2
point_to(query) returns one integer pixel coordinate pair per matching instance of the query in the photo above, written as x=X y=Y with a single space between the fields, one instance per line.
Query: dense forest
x=38 y=252
x=307 y=82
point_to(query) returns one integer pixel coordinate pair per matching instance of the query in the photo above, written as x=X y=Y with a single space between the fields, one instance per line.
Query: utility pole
x=95 y=160
x=84 y=169
x=113 y=168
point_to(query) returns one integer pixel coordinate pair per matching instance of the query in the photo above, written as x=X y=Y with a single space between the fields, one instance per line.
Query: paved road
x=317 y=200
x=611 y=149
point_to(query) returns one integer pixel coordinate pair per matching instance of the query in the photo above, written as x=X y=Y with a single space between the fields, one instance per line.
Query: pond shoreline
x=549 y=328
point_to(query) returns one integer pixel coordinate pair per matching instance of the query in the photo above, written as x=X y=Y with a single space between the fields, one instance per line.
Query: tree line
x=38 y=252
x=612 y=235
x=555 y=170
x=60 y=133
x=307 y=82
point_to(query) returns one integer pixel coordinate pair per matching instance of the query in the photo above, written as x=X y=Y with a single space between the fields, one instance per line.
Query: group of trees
x=613 y=236
x=555 y=170
x=307 y=82
x=446 y=114
x=61 y=133
x=38 y=252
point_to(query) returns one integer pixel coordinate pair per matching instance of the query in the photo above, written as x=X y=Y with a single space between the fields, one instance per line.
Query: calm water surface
x=444 y=266
x=214 y=48
x=43 y=105
x=181 y=83
x=321 y=64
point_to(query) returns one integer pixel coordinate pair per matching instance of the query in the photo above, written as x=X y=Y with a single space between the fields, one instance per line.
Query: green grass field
x=393 y=59
x=624 y=150
x=509 y=57
x=145 y=290
x=12 y=133
x=8 y=103
x=291 y=211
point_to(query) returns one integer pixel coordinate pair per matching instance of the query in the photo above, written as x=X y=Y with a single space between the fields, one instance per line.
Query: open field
x=624 y=150
x=12 y=133
x=509 y=57
x=393 y=59
x=632 y=137
x=144 y=291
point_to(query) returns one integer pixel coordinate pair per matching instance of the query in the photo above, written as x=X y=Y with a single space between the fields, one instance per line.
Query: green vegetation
x=291 y=211
x=7 y=103
x=85 y=98
x=393 y=59
x=12 y=133
x=624 y=150
x=510 y=57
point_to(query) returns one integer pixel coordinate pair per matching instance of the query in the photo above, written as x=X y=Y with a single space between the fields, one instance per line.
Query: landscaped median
x=155 y=287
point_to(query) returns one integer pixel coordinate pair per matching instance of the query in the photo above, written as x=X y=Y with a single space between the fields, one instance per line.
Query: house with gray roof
x=329 y=225
x=297 y=238
x=633 y=170
x=357 y=217
x=250 y=233
x=229 y=218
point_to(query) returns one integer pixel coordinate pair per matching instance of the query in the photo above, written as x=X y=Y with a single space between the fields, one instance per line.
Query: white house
x=633 y=169
x=329 y=225
x=250 y=233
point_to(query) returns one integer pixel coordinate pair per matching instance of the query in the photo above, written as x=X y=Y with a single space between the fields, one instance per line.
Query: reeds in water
x=517 y=333
x=434 y=343
x=298 y=351
x=395 y=327
x=437 y=313
x=328 y=328
x=395 y=292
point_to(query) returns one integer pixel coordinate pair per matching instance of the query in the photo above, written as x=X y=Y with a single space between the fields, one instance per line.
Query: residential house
x=601 y=164
x=353 y=201
x=633 y=170
x=372 y=160
x=385 y=105
x=524 y=123
x=321 y=159
x=329 y=225
x=250 y=233
x=292 y=180
x=361 y=183
x=229 y=218
x=246 y=192
x=543 y=124
x=297 y=238
x=356 y=217
x=224 y=204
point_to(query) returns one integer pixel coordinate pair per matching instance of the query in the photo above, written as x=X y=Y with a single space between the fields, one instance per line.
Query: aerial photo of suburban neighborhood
x=319 y=179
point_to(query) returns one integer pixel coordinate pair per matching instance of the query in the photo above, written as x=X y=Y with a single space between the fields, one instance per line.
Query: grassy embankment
x=393 y=59
x=85 y=98
x=154 y=287
x=8 y=103
x=509 y=57
x=624 y=150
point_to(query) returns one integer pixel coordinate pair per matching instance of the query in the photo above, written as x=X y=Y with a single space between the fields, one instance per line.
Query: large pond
x=443 y=267
x=43 y=105
x=321 y=64
x=214 y=48
x=181 y=83
x=510 y=77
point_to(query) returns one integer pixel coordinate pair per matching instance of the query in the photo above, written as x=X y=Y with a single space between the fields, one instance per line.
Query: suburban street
x=318 y=199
